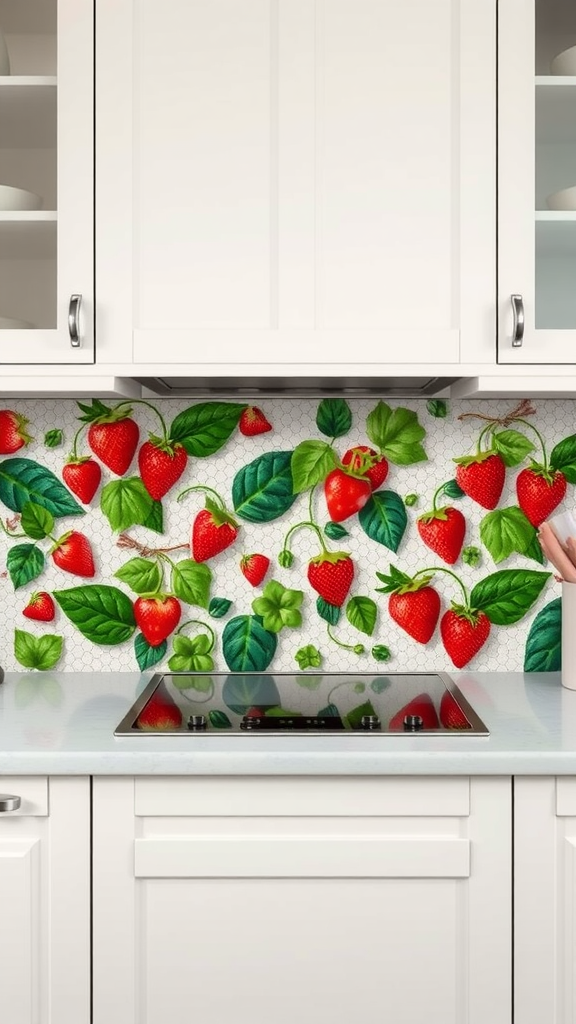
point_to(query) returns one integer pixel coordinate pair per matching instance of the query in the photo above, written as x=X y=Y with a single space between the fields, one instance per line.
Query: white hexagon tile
x=106 y=564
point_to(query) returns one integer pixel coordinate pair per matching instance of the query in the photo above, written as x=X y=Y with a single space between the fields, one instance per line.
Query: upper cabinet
x=46 y=181
x=537 y=181
x=295 y=182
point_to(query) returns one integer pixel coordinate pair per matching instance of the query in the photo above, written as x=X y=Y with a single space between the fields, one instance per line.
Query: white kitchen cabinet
x=322 y=900
x=537 y=157
x=46 y=147
x=287 y=182
x=45 y=902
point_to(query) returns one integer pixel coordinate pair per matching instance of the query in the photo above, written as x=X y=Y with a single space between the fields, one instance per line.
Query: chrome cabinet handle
x=9 y=802
x=74 y=320
x=518 y=323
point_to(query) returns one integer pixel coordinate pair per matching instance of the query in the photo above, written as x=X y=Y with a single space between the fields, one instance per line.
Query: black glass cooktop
x=282 y=704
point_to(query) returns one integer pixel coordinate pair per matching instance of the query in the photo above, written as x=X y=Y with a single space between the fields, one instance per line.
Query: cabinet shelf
x=28 y=112
x=28 y=235
x=555 y=108
x=556 y=234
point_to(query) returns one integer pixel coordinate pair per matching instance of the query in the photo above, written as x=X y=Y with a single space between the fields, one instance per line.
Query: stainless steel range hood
x=392 y=387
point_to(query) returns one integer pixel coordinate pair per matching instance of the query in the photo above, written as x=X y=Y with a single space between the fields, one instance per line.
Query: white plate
x=19 y=199
x=565 y=62
x=563 y=200
x=7 y=324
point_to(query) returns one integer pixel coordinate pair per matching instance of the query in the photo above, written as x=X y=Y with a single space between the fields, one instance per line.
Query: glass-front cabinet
x=46 y=181
x=537 y=182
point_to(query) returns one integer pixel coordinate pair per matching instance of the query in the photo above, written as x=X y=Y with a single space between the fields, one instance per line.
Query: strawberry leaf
x=125 y=503
x=311 y=463
x=191 y=582
x=141 y=575
x=103 y=614
x=263 y=490
x=507 y=595
x=534 y=550
x=563 y=457
x=219 y=719
x=543 y=651
x=37 y=522
x=335 y=531
x=22 y=480
x=452 y=489
x=148 y=656
x=204 y=428
x=334 y=417
x=53 y=438
x=384 y=519
x=279 y=607
x=39 y=652
x=437 y=407
x=248 y=647
x=155 y=518
x=24 y=563
x=512 y=446
x=309 y=657
x=361 y=613
x=354 y=717
x=329 y=612
x=219 y=607
x=397 y=434
x=506 y=531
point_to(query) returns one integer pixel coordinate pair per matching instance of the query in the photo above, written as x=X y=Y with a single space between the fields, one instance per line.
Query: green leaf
x=471 y=556
x=453 y=489
x=219 y=607
x=335 y=531
x=24 y=563
x=308 y=681
x=126 y=503
x=329 y=612
x=380 y=684
x=311 y=463
x=543 y=651
x=505 y=531
x=534 y=550
x=53 y=438
x=437 y=407
x=219 y=719
x=247 y=646
x=155 y=518
x=242 y=692
x=361 y=613
x=262 y=490
x=563 y=457
x=308 y=657
x=141 y=575
x=355 y=716
x=334 y=417
x=148 y=656
x=22 y=480
x=384 y=519
x=37 y=522
x=40 y=652
x=103 y=614
x=204 y=428
x=192 y=655
x=507 y=595
x=397 y=433
x=512 y=446
x=191 y=582
x=330 y=711
x=279 y=607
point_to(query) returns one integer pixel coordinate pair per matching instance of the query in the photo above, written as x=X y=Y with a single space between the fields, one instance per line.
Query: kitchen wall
x=86 y=545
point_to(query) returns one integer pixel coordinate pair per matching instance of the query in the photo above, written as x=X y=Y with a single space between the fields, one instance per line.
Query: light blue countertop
x=63 y=724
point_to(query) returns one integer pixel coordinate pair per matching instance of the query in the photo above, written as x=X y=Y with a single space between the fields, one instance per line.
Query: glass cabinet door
x=46 y=181
x=537 y=181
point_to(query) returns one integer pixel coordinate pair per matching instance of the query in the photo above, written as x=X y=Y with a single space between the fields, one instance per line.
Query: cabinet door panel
x=19 y=929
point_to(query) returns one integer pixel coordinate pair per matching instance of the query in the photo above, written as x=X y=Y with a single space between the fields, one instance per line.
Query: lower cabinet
x=330 y=900
x=45 y=901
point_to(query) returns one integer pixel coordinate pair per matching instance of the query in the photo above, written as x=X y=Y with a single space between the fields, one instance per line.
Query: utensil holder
x=569 y=635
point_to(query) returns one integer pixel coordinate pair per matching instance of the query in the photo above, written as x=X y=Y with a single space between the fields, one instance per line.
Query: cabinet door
x=537 y=159
x=45 y=902
x=295 y=182
x=46 y=149
x=247 y=900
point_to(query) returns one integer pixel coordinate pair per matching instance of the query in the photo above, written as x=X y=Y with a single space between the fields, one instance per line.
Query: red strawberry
x=13 y=433
x=255 y=712
x=443 y=530
x=345 y=494
x=115 y=443
x=83 y=478
x=421 y=705
x=157 y=617
x=463 y=638
x=73 y=553
x=253 y=421
x=539 y=493
x=213 y=530
x=331 y=576
x=416 y=611
x=161 y=464
x=482 y=478
x=254 y=568
x=366 y=462
x=159 y=713
x=40 y=607
x=451 y=714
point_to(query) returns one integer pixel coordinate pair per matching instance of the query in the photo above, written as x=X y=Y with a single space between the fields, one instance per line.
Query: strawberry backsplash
x=127 y=530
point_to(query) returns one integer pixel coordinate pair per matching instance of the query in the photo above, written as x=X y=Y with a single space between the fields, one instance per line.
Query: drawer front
x=302 y=796
x=33 y=793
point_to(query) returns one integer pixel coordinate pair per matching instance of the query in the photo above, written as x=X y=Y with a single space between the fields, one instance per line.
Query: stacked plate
x=19 y=199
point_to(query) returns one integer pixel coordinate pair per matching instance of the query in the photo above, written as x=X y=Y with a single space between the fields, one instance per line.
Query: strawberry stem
x=356 y=648
x=436 y=494
x=310 y=526
x=206 y=490
x=540 y=438
x=485 y=430
x=16 y=536
x=140 y=401
x=198 y=622
x=338 y=685
x=74 y=454
x=440 y=568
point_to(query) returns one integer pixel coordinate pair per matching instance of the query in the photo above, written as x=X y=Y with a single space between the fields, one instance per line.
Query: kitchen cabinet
x=295 y=182
x=537 y=157
x=45 y=901
x=46 y=147
x=248 y=899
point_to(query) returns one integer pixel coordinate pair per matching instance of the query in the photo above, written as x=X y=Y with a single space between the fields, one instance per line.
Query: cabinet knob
x=518 y=320
x=9 y=802
x=74 y=320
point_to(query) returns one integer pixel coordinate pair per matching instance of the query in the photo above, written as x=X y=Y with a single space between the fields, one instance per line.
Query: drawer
x=299 y=796
x=33 y=793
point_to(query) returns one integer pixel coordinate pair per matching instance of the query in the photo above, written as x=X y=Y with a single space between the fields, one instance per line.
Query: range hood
x=393 y=387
